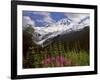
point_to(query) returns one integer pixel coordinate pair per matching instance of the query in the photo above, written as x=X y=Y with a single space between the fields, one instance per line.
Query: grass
x=79 y=59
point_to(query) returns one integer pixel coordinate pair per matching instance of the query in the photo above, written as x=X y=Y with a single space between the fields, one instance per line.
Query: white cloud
x=76 y=16
x=46 y=15
x=48 y=19
x=27 y=20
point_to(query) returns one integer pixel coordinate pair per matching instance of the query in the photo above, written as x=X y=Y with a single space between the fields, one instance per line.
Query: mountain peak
x=64 y=21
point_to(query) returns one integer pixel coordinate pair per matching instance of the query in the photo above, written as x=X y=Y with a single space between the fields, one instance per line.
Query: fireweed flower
x=58 y=61
x=61 y=61
x=47 y=61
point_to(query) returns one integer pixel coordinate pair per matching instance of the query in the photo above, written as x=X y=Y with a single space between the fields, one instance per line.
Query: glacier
x=43 y=36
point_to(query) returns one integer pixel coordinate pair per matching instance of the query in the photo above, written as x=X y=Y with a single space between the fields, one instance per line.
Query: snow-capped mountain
x=65 y=21
x=43 y=35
